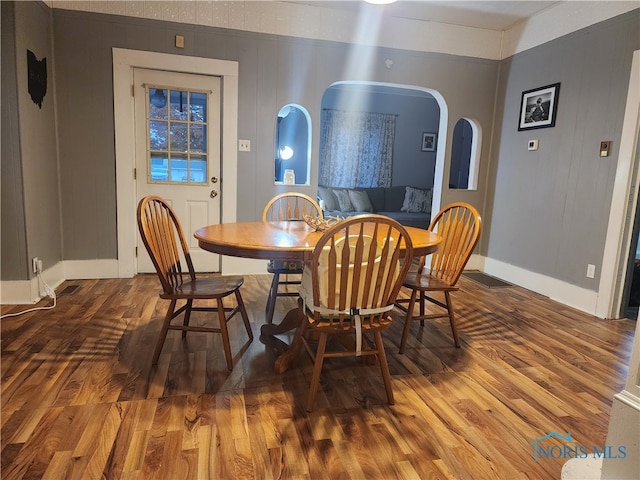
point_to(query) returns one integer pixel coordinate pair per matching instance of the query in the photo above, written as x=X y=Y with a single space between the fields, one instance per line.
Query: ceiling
x=497 y=15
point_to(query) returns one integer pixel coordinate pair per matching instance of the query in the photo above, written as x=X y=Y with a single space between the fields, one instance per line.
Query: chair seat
x=208 y=287
x=426 y=282
x=285 y=267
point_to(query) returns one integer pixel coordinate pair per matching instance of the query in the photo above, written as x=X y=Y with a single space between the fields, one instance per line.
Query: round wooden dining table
x=286 y=240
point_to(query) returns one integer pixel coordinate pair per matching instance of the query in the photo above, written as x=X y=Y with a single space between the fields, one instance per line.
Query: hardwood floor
x=80 y=399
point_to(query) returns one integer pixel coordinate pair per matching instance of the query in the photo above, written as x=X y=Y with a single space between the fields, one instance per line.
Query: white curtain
x=356 y=149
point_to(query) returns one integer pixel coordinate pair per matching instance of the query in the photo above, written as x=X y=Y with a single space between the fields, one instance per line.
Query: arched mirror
x=292 y=146
x=465 y=155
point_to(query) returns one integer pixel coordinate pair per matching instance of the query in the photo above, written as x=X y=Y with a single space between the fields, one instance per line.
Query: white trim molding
x=624 y=203
x=124 y=61
x=563 y=292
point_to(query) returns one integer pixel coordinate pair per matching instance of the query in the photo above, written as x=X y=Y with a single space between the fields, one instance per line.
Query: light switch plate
x=532 y=145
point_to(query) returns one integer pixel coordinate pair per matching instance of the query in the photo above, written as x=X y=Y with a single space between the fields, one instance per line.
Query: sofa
x=408 y=205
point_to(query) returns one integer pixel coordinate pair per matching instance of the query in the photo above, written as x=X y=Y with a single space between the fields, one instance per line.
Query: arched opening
x=465 y=155
x=411 y=164
x=292 y=146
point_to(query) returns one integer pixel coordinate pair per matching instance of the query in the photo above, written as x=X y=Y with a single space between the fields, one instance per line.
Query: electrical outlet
x=244 y=145
x=36 y=265
x=591 y=271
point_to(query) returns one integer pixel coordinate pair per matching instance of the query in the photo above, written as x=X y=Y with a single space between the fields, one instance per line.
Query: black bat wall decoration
x=37 y=73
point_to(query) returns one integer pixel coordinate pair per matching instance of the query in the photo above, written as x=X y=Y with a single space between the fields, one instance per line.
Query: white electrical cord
x=49 y=292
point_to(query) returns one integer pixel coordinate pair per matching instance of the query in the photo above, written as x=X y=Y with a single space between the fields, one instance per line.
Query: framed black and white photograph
x=538 y=107
x=429 y=142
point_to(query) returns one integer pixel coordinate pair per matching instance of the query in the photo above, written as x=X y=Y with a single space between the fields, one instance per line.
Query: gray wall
x=550 y=207
x=13 y=239
x=30 y=190
x=563 y=190
x=273 y=71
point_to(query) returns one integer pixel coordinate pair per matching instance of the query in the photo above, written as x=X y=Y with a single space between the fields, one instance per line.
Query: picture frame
x=538 y=107
x=429 y=141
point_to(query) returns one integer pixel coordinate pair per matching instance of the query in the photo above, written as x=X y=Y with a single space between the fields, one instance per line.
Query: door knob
x=213 y=194
x=214 y=179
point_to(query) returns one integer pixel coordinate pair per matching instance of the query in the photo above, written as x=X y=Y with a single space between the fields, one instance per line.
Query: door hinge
x=133 y=90
x=136 y=252
x=135 y=173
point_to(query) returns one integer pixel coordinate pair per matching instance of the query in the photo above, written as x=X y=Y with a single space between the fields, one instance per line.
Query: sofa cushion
x=360 y=201
x=393 y=199
x=376 y=196
x=344 y=202
x=329 y=199
x=417 y=200
x=418 y=220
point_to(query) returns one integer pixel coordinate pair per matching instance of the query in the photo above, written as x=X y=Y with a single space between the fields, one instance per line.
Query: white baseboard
x=89 y=269
x=27 y=291
x=563 y=292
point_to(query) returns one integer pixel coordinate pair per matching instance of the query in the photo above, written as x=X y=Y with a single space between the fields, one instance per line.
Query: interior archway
x=414 y=140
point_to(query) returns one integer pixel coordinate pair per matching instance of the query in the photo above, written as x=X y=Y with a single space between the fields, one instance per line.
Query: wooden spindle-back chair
x=459 y=224
x=286 y=206
x=164 y=240
x=349 y=288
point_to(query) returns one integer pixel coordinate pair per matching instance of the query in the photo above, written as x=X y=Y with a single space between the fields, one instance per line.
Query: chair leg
x=187 y=317
x=317 y=369
x=243 y=312
x=422 y=311
x=163 y=332
x=384 y=367
x=452 y=319
x=407 y=320
x=225 y=334
x=271 y=298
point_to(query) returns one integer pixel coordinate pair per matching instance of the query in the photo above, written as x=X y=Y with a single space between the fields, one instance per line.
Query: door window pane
x=159 y=169
x=179 y=168
x=197 y=138
x=177 y=128
x=179 y=137
x=158 y=135
x=198 y=169
x=179 y=107
x=198 y=107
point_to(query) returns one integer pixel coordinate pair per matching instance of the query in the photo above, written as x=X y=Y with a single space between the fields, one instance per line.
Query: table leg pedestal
x=292 y=321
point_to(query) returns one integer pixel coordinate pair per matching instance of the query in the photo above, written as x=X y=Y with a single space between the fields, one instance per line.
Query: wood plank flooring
x=80 y=399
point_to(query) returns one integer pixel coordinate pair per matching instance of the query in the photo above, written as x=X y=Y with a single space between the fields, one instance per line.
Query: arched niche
x=465 y=155
x=292 y=156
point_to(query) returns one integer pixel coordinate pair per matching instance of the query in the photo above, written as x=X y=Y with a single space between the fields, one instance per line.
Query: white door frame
x=623 y=204
x=124 y=61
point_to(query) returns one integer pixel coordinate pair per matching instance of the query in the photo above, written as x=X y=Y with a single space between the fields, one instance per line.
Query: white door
x=177 y=150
